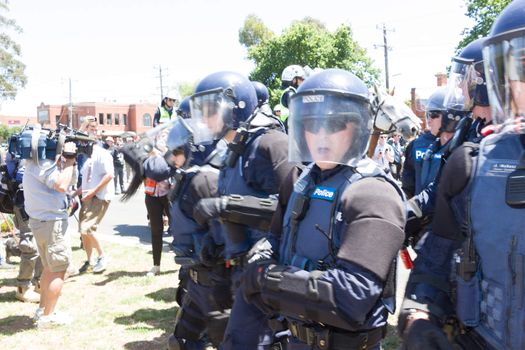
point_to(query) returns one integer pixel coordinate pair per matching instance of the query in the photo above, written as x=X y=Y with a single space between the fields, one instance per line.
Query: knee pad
x=190 y=323
x=217 y=322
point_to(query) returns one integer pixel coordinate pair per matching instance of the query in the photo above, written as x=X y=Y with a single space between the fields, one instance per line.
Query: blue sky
x=110 y=48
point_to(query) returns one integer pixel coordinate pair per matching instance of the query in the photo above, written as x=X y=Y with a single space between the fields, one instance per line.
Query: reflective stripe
x=164 y=115
x=149 y=186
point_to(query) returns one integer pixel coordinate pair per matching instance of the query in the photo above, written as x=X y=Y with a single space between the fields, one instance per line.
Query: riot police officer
x=469 y=273
x=256 y=166
x=202 y=315
x=341 y=229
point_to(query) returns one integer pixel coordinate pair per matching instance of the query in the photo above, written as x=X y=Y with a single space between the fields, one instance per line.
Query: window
x=146 y=119
x=108 y=119
x=124 y=119
x=117 y=119
x=101 y=118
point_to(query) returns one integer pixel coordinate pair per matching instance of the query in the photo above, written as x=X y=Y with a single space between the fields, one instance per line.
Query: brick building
x=11 y=121
x=113 y=118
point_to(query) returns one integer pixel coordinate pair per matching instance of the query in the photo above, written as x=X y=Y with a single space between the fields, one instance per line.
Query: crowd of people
x=288 y=235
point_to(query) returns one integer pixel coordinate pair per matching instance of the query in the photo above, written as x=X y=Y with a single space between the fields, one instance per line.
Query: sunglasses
x=331 y=126
x=434 y=114
x=170 y=99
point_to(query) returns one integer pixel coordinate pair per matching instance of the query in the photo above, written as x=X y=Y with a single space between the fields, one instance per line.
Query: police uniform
x=162 y=115
x=202 y=315
x=468 y=277
x=340 y=229
x=258 y=172
x=412 y=168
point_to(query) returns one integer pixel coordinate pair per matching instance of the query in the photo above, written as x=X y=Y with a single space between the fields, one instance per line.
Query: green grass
x=120 y=309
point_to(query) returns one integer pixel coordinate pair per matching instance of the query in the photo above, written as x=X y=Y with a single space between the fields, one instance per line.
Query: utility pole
x=386 y=49
x=160 y=81
x=70 y=117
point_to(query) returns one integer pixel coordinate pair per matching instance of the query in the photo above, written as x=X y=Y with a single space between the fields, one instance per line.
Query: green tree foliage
x=253 y=32
x=12 y=76
x=187 y=88
x=483 y=12
x=6 y=132
x=308 y=42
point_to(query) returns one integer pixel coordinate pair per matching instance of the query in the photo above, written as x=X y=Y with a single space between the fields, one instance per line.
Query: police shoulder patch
x=326 y=193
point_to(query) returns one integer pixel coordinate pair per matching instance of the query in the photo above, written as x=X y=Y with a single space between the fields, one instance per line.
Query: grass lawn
x=119 y=309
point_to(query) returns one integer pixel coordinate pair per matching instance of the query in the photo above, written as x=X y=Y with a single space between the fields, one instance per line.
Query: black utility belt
x=336 y=339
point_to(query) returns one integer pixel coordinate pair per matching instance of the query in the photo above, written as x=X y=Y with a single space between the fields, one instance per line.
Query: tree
x=253 y=32
x=483 y=12
x=12 y=76
x=6 y=132
x=187 y=88
x=308 y=42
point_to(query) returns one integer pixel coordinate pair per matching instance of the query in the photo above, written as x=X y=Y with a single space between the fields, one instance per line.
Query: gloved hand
x=209 y=208
x=423 y=334
x=252 y=281
x=261 y=250
x=210 y=251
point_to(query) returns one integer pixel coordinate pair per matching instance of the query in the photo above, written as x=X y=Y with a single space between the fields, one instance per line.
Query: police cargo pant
x=204 y=312
x=30 y=268
x=248 y=326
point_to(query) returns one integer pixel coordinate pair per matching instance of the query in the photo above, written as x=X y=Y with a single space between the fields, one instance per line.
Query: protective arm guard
x=251 y=211
x=313 y=295
x=302 y=295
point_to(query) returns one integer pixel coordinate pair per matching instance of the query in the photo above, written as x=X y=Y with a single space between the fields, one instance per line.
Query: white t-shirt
x=95 y=168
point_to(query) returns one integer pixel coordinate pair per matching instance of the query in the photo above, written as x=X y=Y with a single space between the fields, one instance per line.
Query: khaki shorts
x=53 y=247
x=91 y=213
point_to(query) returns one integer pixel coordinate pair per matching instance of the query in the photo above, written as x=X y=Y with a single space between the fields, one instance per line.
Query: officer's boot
x=27 y=295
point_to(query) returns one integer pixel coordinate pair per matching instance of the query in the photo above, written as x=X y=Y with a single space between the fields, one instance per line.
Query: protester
x=97 y=173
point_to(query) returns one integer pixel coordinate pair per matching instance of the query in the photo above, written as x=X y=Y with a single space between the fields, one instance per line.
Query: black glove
x=423 y=334
x=210 y=251
x=261 y=250
x=209 y=208
x=252 y=281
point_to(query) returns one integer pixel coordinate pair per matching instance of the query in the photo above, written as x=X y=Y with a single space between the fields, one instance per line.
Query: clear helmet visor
x=464 y=79
x=212 y=109
x=505 y=66
x=186 y=131
x=158 y=136
x=328 y=127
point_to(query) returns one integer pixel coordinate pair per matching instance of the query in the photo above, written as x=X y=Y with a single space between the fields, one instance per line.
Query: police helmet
x=450 y=116
x=291 y=72
x=222 y=101
x=331 y=103
x=262 y=93
x=184 y=108
x=466 y=82
x=504 y=58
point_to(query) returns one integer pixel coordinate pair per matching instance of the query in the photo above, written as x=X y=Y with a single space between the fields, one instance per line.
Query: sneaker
x=71 y=271
x=27 y=295
x=86 y=268
x=38 y=313
x=101 y=265
x=54 y=319
x=155 y=270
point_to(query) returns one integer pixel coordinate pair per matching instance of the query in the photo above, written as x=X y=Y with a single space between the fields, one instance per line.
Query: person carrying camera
x=46 y=183
x=383 y=153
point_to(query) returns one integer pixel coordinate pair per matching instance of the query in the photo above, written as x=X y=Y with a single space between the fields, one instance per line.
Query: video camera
x=49 y=142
